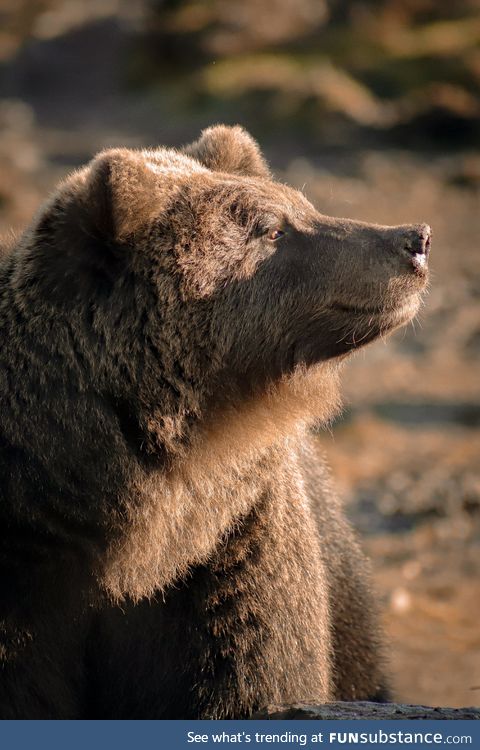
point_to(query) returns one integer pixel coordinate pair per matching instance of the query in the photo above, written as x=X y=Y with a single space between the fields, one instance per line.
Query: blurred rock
x=364 y=710
x=400 y=600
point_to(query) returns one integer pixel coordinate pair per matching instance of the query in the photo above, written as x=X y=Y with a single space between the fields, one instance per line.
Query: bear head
x=201 y=282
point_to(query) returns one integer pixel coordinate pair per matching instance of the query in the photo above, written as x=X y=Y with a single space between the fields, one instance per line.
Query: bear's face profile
x=243 y=280
x=171 y=323
x=174 y=315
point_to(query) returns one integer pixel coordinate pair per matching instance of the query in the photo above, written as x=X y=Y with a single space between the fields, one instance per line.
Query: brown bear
x=172 y=323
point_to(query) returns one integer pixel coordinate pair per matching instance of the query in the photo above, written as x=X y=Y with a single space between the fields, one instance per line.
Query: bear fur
x=172 y=324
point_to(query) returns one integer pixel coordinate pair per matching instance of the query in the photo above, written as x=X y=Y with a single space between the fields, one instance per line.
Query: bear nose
x=417 y=241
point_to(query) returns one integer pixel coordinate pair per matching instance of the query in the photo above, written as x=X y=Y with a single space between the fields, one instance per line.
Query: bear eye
x=275 y=234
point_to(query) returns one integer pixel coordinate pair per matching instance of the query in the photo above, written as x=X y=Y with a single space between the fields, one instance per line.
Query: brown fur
x=163 y=356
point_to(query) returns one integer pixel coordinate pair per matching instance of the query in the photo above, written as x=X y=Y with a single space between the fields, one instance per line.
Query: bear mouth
x=349 y=309
x=406 y=309
x=353 y=327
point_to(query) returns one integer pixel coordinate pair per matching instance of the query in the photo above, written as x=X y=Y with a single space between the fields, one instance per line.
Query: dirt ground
x=405 y=452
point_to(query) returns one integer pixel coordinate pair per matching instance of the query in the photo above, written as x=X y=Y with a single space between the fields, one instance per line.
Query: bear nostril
x=426 y=249
x=418 y=242
x=425 y=239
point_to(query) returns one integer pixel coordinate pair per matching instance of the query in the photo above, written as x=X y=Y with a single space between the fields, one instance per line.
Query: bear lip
x=357 y=309
x=420 y=262
x=384 y=320
x=390 y=310
x=388 y=318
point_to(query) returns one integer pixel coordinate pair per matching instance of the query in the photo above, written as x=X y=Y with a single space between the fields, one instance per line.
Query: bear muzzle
x=417 y=245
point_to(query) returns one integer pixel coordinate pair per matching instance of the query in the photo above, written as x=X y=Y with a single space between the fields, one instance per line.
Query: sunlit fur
x=162 y=504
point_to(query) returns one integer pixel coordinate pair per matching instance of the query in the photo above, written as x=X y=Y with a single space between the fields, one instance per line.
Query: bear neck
x=78 y=395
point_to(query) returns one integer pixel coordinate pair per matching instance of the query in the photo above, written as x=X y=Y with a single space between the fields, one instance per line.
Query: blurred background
x=373 y=108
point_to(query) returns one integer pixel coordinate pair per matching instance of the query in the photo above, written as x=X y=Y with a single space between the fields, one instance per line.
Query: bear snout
x=417 y=242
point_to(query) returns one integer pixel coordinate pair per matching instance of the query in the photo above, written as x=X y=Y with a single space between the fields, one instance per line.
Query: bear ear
x=119 y=194
x=222 y=148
